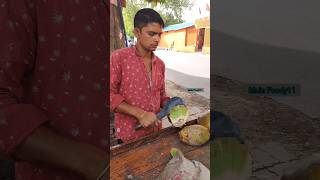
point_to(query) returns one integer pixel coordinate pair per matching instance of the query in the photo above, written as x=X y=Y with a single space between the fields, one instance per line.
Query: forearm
x=46 y=146
x=130 y=110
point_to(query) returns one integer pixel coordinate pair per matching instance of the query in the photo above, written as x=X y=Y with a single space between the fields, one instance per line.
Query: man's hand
x=46 y=146
x=147 y=119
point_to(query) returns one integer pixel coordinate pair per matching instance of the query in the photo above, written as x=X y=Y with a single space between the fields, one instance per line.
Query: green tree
x=170 y=10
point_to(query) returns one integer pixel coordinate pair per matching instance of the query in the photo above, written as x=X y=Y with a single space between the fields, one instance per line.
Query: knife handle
x=159 y=117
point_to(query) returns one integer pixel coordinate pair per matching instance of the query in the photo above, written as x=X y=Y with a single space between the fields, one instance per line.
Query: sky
x=194 y=13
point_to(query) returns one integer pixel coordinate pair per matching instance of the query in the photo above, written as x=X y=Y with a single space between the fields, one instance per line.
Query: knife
x=174 y=101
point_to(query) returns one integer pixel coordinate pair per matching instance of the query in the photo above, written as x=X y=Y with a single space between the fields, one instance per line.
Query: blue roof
x=178 y=26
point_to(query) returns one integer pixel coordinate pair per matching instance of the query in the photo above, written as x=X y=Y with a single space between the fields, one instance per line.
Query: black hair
x=146 y=16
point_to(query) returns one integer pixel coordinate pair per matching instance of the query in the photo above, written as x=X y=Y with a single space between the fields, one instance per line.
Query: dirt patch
x=263 y=119
x=191 y=98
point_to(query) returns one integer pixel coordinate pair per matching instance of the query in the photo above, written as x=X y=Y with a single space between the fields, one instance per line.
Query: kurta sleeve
x=17 y=56
x=115 y=80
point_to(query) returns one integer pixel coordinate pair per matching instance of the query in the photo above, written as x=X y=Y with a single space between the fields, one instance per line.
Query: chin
x=153 y=49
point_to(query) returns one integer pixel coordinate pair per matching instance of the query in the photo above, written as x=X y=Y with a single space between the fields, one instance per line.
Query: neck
x=143 y=52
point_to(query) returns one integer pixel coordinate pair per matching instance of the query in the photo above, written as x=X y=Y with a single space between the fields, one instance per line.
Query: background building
x=193 y=35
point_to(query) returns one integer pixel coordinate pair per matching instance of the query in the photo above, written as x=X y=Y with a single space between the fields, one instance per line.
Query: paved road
x=188 y=81
x=189 y=70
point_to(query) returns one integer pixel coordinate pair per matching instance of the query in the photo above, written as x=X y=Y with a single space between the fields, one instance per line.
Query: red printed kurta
x=53 y=70
x=130 y=82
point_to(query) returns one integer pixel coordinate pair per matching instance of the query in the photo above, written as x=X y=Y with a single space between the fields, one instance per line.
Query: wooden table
x=145 y=158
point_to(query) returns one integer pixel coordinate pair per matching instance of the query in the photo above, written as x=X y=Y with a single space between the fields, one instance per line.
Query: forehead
x=154 y=27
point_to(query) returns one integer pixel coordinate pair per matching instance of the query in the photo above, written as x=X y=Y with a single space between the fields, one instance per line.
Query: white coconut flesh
x=179 y=122
x=178 y=115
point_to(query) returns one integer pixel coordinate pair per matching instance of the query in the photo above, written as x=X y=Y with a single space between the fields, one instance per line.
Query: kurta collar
x=153 y=56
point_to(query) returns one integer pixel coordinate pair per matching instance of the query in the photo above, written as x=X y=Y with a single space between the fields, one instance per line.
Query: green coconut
x=231 y=159
x=194 y=135
x=178 y=115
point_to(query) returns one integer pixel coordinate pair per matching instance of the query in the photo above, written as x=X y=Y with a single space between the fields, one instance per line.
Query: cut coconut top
x=178 y=115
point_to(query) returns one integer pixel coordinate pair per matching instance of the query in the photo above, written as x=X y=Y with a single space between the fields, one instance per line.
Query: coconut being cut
x=178 y=115
x=176 y=111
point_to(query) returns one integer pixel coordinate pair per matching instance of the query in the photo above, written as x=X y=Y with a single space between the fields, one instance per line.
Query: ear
x=137 y=32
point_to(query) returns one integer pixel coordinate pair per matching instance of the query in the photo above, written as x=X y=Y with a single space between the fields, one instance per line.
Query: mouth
x=153 y=48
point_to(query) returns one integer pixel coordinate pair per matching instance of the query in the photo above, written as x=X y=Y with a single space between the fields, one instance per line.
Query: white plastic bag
x=180 y=168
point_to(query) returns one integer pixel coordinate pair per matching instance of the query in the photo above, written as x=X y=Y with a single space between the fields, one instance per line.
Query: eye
x=151 y=34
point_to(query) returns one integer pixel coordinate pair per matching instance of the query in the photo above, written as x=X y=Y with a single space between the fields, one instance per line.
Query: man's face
x=149 y=36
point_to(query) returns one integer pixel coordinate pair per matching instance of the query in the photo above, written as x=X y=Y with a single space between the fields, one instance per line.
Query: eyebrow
x=154 y=32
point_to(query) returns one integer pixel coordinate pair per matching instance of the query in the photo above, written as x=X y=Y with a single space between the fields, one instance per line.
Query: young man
x=137 y=87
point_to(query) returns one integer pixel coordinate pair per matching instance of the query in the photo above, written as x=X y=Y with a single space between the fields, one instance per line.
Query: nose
x=157 y=38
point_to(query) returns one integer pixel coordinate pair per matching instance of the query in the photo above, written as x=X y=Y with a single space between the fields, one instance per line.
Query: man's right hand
x=46 y=146
x=147 y=119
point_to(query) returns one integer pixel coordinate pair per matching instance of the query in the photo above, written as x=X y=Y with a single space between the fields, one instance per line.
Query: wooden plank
x=144 y=158
x=115 y=151
x=147 y=139
x=150 y=153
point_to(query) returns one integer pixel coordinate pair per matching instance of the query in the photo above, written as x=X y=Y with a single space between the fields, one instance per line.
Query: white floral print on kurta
x=126 y=84
x=45 y=39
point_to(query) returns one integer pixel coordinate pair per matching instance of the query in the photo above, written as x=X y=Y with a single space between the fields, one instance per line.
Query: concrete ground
x=279 y=137
x=189 y=70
